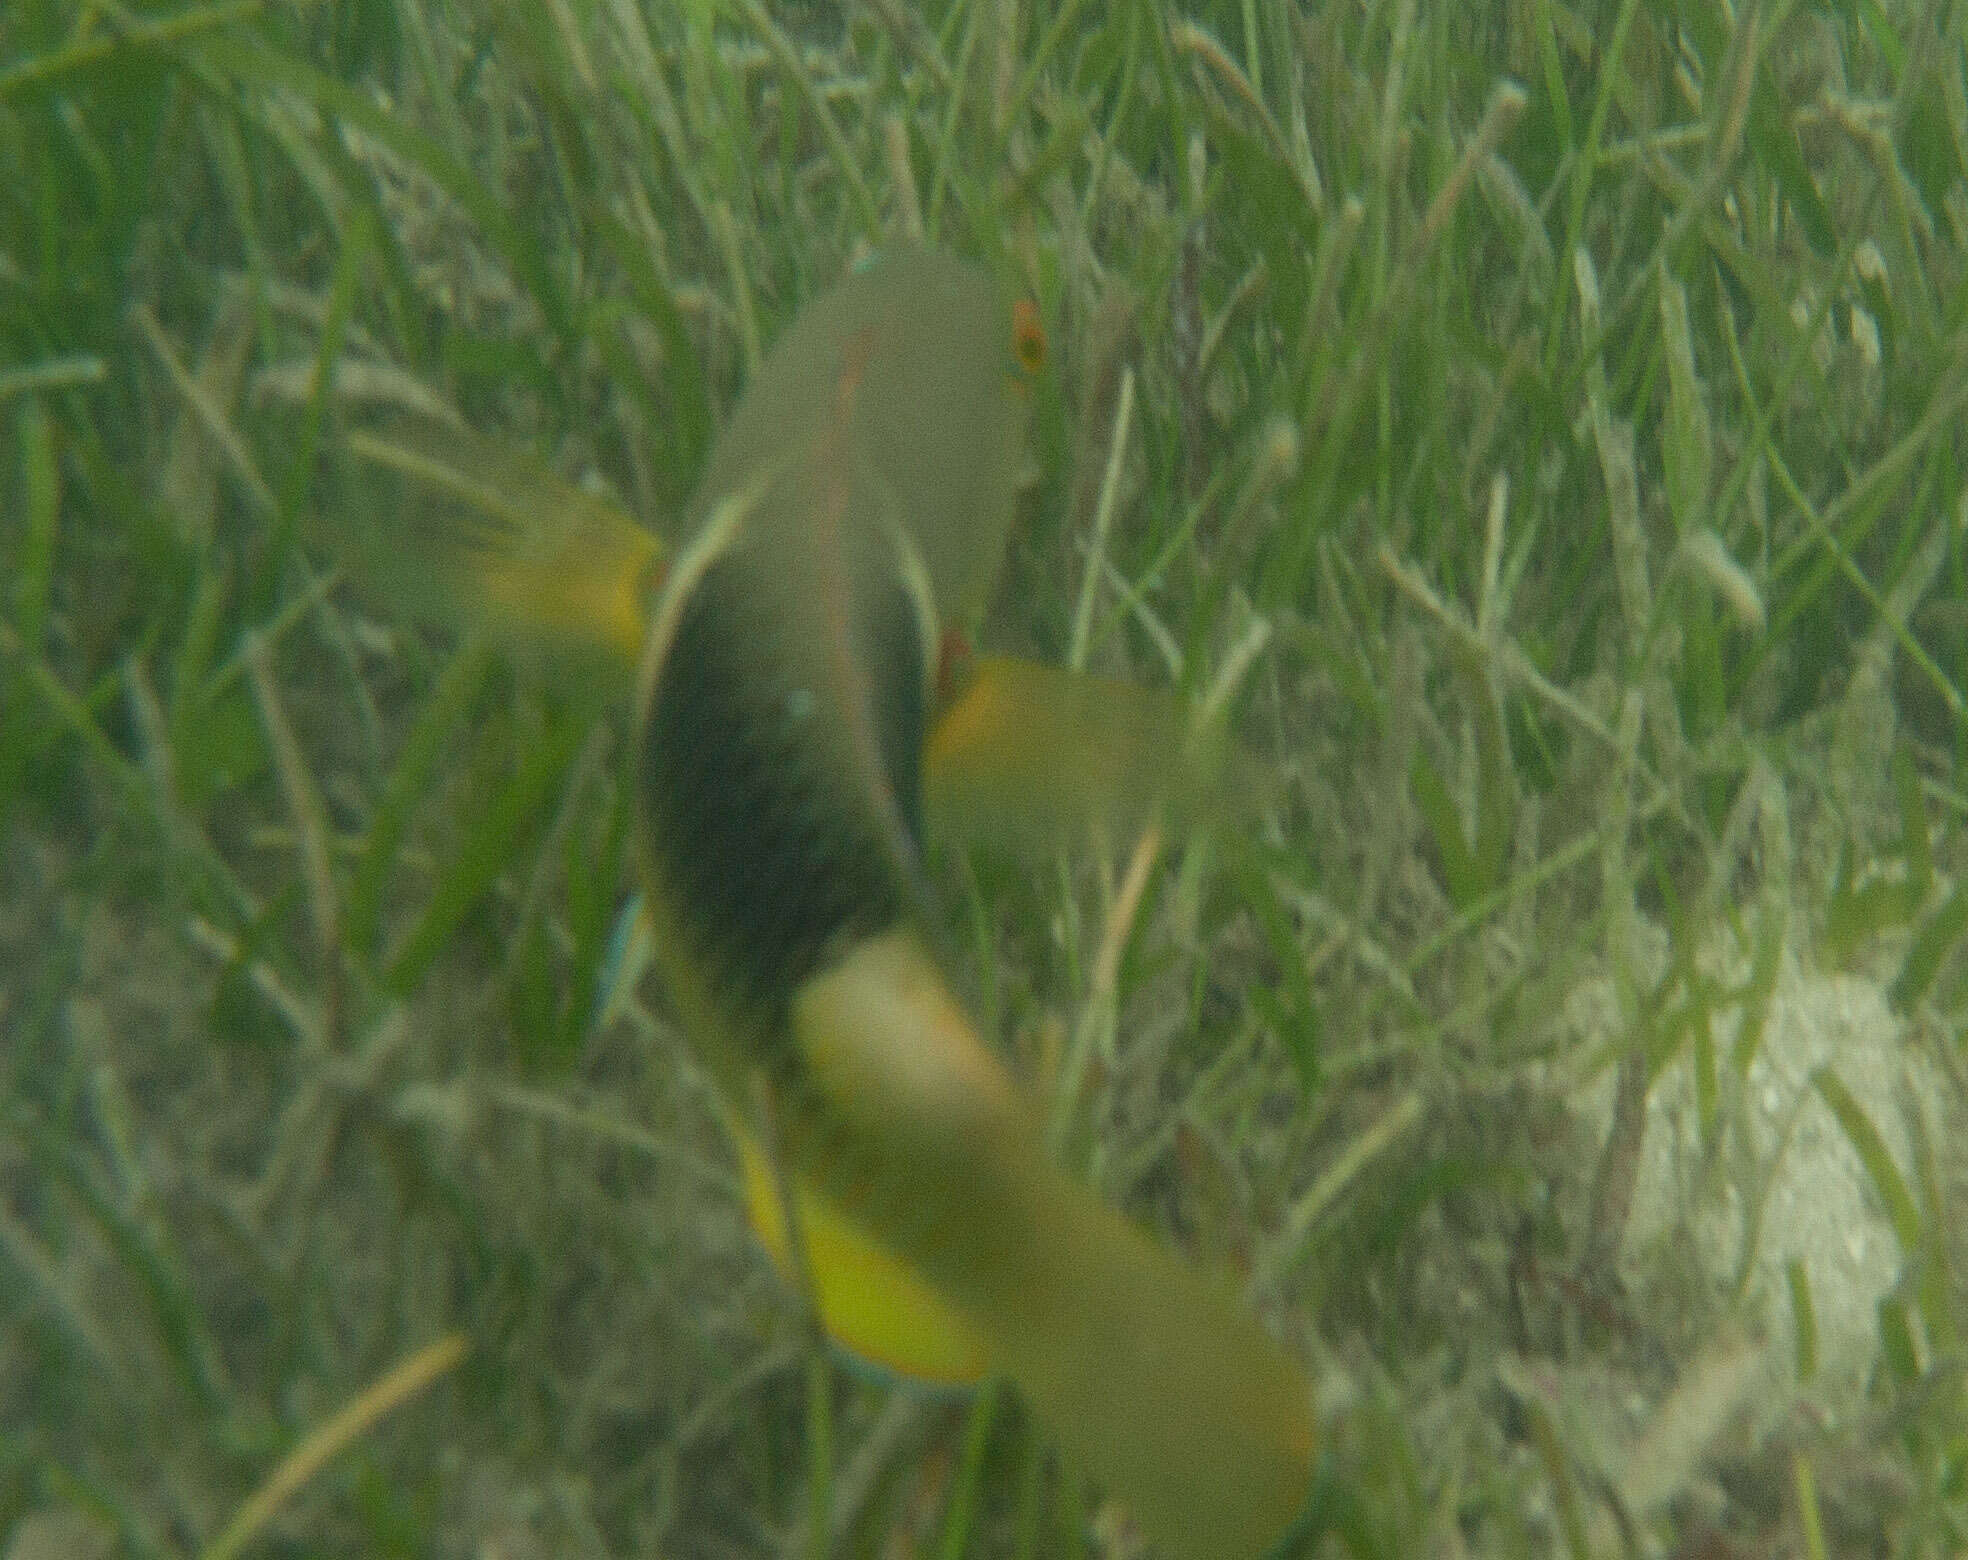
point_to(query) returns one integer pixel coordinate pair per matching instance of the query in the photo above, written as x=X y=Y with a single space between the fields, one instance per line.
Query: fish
x=805 y=712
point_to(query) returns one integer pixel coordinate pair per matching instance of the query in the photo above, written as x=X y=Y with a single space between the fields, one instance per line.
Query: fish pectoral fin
x=1028 y=754
x=494 y=538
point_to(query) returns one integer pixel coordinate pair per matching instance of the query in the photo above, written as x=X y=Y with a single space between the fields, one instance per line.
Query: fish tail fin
x=1165 y=1388
x=1148 y=1372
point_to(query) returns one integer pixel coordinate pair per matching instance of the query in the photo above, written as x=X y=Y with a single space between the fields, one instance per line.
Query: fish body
x=788 y=729
x=784 y=712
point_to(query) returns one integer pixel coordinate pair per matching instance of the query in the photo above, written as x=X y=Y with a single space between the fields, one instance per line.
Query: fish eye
x=1028 y=338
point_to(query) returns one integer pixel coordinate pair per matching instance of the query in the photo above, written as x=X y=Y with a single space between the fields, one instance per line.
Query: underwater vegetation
x=1527 y=438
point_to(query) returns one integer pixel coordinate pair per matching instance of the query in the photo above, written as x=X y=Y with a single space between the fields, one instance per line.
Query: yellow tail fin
x=871 y=1302
x=1153 y=1376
